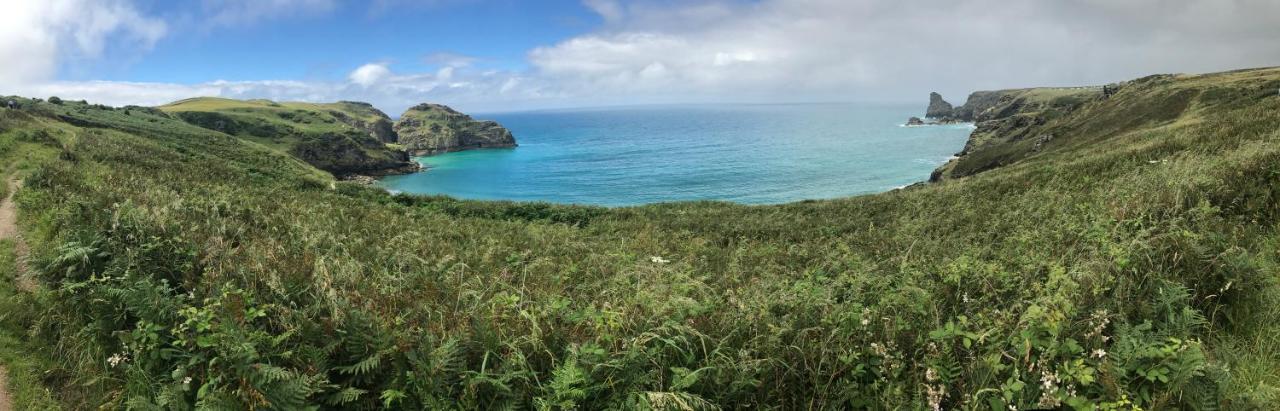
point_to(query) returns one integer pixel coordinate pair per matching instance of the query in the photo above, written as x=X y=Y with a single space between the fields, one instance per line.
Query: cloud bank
x=36 y=35
x=666 y=51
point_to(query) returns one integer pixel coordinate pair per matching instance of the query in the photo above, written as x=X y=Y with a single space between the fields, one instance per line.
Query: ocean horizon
x=743 y=153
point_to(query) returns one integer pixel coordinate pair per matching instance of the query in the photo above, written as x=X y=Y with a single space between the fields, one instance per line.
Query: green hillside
x=1128 y=262
x=342 y=138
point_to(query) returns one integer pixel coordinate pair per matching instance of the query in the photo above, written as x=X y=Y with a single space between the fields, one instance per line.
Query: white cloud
x=36 y=35
x=655 y=51
x=804 y=50
x=369 y=74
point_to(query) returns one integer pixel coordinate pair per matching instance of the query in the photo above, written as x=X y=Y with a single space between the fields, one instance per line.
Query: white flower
x=659 y=260
x=1099 y=353
x=117 y=359
x=965 y=298
x=186 y=380
x=865 y=321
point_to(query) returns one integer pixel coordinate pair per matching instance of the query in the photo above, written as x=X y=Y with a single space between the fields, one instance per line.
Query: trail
x=9 y=230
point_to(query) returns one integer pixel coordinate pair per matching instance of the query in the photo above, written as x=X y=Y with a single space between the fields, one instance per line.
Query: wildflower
x=935 y=392
x=1049 y=389
x=186 y=380
x=1099 y=353
x=865 y=322
x=117 y=359
x=965 y=298
x=658 y=260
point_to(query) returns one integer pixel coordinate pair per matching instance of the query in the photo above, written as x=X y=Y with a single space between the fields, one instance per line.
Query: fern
x=363 y=367
x=346 y=396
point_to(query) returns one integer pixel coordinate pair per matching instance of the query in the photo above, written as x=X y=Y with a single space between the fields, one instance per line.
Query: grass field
x=342 y=137
x=1128 y=262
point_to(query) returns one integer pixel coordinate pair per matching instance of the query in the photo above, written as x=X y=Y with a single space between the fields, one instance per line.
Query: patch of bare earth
x=9 y=230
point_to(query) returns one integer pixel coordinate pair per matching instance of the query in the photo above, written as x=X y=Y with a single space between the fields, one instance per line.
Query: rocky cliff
x=429 y=129
x=342 y=138
x=363 y=116
x=938 y=108
x=1012 y=125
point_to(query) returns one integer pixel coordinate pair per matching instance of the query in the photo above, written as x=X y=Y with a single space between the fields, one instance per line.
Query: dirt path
x=5 y=403
x=9 y=213
x=9 y=230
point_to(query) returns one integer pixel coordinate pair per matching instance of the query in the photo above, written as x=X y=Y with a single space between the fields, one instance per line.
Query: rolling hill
x=1128 y=261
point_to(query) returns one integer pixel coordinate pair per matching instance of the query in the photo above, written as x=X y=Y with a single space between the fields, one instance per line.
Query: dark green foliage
x=1124 y=265
x=337 y=142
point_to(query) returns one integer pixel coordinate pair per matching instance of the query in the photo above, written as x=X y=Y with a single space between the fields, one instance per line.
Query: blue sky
x=498 y=55
x=326 y=44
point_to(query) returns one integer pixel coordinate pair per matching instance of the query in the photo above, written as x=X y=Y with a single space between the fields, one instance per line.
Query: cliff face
x=342 y=138
x=429 y=129
x=1012 y=125
x=938 y=108
x=363 y=116
x=348 y=154
x=977 y=103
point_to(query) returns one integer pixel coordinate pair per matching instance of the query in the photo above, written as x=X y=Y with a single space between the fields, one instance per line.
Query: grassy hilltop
x=1130 y=261
x=342 y=138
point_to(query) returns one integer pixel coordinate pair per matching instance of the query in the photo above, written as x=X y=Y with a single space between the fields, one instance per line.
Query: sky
x=503 y=55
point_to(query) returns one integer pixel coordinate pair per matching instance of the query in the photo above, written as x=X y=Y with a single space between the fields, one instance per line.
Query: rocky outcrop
x=938 y=108
x=915 y=121
x=430 y=129
x=365 y=117
x=976 y=104
x=341 y=138
x=347 y=153
x=1013 y=124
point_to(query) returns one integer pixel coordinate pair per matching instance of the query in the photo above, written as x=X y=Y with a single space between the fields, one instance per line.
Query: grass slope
x=344 y=137
x=1130 y=262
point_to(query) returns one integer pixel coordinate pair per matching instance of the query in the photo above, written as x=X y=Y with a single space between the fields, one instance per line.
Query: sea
x=749 y=154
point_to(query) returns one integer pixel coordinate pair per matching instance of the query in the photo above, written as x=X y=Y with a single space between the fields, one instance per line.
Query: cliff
x=429 y=129
x=341 y=138
x=1012 y=125
x=363 y=116
x=938 y=108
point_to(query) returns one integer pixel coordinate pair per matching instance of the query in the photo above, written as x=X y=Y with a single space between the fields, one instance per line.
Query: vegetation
x=344 y=137
x=1130 y=263
x=428 y=129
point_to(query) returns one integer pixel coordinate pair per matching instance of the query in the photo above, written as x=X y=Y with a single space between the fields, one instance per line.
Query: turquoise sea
x=754 y=154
